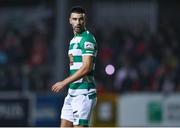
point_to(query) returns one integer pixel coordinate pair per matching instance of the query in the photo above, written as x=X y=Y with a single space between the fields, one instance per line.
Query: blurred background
x=137 y=70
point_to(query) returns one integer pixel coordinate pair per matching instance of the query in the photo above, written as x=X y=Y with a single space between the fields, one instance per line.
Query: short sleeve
x=88 y=47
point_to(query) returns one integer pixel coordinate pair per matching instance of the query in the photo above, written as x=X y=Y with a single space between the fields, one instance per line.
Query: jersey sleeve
x=88 y=46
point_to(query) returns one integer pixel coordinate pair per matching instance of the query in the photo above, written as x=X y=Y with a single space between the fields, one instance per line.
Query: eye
x=81 y=19
x=74 y=18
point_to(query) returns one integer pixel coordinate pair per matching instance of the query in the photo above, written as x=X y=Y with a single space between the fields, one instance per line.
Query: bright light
x=110 y=69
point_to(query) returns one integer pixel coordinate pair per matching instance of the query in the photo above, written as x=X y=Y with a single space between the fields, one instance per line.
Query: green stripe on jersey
x=82 y=86
x=83 y=122
x=89 y=74
x=75 y=45
x=79 y=59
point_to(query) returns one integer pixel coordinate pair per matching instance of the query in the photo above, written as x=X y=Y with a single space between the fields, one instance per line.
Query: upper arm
x=89 y=49
x=88 y=46
x=87 y=62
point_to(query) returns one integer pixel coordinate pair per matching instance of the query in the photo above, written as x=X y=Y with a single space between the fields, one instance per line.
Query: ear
x=85 y=18
x=70 y=20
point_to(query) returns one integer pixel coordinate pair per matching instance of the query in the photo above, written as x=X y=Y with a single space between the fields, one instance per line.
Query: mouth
x=78 y=27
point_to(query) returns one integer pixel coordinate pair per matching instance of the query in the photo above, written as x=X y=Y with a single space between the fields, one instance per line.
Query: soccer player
x=82 y=52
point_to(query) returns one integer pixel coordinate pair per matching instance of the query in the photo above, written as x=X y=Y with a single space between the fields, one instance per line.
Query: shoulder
x=88 y=36
x=88 y=41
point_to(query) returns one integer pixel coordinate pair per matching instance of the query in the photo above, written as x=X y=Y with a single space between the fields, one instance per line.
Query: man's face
x=77 y=20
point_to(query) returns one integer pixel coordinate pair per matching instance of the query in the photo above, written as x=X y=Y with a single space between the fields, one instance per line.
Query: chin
x=77 y=31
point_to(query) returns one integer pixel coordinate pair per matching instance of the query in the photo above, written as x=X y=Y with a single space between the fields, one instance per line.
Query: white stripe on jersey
x=87 y=54
x=76 y=65
x=80 y=91
x=75 y=40
x=75 y=52
x=78 y=81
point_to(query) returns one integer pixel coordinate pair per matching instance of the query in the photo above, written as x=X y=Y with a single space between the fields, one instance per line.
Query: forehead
x=77 y=15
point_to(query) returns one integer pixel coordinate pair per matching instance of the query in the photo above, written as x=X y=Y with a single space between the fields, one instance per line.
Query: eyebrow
x=78 y=17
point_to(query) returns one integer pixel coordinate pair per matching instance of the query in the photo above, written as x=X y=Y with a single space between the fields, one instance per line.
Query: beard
x=78 y=29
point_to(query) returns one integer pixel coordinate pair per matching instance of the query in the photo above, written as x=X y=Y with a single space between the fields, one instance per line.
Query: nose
x=78 y=21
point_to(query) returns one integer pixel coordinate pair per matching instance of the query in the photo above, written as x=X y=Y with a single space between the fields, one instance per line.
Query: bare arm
x=85 y=68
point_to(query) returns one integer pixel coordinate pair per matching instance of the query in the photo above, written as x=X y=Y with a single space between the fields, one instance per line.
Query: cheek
x=82 y=23
x=72 y=24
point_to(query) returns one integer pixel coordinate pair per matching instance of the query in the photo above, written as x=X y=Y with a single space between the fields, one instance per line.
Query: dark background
x=138 y=51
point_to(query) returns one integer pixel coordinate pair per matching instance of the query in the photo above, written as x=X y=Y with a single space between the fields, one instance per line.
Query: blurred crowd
x=24 y=58
x=144 y=61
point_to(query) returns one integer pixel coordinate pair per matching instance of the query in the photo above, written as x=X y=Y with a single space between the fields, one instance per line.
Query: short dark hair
x=77 y=9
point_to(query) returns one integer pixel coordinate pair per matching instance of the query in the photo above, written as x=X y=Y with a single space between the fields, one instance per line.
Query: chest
x=75 y=51
x=75 y=47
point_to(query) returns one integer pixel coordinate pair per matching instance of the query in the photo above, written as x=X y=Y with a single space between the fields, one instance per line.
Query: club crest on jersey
x=75 y=46
x=89 y=46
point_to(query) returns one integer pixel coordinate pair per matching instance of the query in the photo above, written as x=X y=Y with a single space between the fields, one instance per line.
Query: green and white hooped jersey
x=81 y=45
